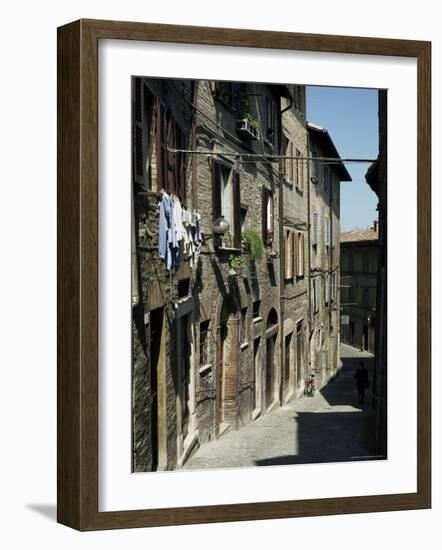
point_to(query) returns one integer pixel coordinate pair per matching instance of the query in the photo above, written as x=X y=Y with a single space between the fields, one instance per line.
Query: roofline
x=332 y=151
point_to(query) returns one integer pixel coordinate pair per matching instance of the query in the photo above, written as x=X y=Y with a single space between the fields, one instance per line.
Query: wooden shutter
x=264 y=212
x=301 y=173
x=294 y=254
x=236 y=210
x=283 y=161
x=301 y=251
x=327 y=231
x=140 y=138
x=298 y=168
x=171 y=157
x=315 y=224
x=216 y=198
x=180 y=165
x=291 y=163
x=159 y=143
x=235 y=99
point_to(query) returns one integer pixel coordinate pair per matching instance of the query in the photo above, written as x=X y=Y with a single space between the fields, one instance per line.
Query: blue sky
x=351 y=117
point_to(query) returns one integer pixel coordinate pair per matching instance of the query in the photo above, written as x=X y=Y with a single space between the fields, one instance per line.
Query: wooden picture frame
x=78 y=274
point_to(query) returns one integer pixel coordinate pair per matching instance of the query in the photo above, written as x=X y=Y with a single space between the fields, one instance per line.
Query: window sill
x=244 y=346
x=205 y=368
x=256 y=320
x=228 y=249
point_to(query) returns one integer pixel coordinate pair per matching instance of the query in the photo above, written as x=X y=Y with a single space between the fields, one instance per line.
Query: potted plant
x=253 y=245
x=236 y=264
x=248 y=126
x=227 y=240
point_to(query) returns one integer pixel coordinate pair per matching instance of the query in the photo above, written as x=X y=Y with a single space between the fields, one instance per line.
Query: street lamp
x=220 y=227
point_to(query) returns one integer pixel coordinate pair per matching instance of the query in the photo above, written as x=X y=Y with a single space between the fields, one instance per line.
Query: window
x=288 y=250
x=183 y=288
x=226 y=200
x=333 y=233
x=142 y=117
x=327 y=288
x=271 y=121
x=229 y=93
x=242 y=218
x=327 y=231
x=243 y=327
x=171 y=175
x=299 y=171
x=315 y=228
x=267 y=216
x=333 y=289
x=287 y=358
x=316 y=294
x=257 y=309
x=288 y=167
x=204 y=343
x=300 y=254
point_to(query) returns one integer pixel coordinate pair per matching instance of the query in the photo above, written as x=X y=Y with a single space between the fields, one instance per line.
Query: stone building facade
x=223 y=337
x=359 y=272
x=376 y=178
x=324 y=206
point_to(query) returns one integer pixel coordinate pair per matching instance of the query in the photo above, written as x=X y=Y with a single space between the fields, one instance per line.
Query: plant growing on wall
x=254 y=243
x=236 y=262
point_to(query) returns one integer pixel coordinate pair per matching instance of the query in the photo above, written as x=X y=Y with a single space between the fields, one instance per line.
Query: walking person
x=362 y=382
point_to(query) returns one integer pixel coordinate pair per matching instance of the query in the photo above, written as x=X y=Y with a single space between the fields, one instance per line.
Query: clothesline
x=265 y=156
x=178 y=232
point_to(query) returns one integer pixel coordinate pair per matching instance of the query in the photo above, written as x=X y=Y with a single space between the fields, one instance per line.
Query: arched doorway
x=228 y=342
x=271 y=366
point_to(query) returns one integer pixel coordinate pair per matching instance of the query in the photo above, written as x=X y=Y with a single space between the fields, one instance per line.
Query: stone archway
x=227 y=335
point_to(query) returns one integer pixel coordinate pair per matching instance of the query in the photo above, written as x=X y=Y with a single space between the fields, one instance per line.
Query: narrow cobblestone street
x=328 y=427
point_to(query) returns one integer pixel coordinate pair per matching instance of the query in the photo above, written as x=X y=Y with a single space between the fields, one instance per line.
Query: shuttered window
x=267 y=215
x=171 y=167
x=289 y=251
x=271 y=117
x=300 y=255
x=226 y=201
x=327 y=231
x=315 y=228
x=315 y=294
x=236 y=206
x=143 y=106
x=327 y=288
x=229 y=93
x=299 y=171
x=293 y=265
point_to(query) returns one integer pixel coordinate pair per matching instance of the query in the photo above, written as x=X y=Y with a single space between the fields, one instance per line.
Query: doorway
x=299 y=353
x=271 y=366
x=156 y=335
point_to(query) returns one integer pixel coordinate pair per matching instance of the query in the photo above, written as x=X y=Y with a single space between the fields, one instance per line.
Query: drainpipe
x=309 y=259
x=281 y=263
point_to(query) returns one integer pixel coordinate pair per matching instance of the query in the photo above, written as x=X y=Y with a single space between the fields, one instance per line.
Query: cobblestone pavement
x=328 y=427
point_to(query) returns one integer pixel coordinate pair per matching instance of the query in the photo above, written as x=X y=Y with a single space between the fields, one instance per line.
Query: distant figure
x=362 y=382
x=310 y=386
